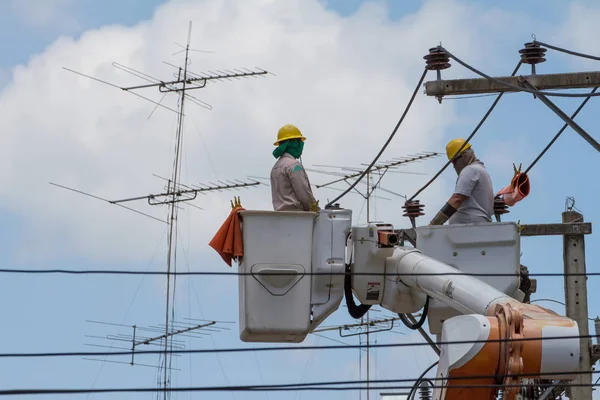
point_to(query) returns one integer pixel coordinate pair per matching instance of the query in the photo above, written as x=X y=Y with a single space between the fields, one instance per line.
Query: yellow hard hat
x=288 y=132
x=453 y=146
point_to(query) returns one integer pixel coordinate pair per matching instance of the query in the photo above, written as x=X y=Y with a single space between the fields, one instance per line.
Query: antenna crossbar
x=191 y=328
x=383 y=167
x=162 y=86
x=174 y=195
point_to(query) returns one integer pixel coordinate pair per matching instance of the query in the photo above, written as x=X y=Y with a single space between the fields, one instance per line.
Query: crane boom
x=490 y=317
x=292 y=280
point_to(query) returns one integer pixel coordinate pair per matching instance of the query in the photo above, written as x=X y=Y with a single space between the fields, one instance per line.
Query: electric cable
x=514 y=87
x=485 y=116
x=560 y=131
x=421 y=320
x=557 y=302
x=276 y=388
x=571 y=52
x=400 y=380
x=368 y=169
x=219 y=273
x=281 y=348
x=413 y=390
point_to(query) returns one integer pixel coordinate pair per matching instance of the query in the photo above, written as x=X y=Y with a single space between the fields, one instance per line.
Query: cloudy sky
x=344 y=73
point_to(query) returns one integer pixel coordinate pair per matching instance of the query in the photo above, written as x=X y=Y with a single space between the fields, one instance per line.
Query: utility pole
x=576 y=302
x=533 y=54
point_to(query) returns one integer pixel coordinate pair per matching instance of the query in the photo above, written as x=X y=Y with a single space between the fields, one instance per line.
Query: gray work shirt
x=474 y=182
x=290 y=188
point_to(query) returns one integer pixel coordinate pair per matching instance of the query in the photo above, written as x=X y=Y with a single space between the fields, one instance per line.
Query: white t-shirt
x=474 y=182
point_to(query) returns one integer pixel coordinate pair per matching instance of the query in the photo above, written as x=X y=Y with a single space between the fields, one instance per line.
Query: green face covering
x=294 y=147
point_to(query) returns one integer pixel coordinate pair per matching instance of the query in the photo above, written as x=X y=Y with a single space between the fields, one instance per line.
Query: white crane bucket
x=275 y=308
x=285 y=308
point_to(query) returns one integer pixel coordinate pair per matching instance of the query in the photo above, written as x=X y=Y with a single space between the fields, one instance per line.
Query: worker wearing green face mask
x=290 y=187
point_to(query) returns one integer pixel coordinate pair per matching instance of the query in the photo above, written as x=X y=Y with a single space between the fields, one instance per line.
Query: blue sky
x=45 y=313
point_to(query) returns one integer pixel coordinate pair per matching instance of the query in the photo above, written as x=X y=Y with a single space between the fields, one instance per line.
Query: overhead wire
x=219 y=362
x=219 y=273
x=563 y=50
x=129 y=307
x=557 y=302
x=467 y=140
x=413 y=390
x=560 y=132
x=518 y=88
x=281 y=348
x=368 y=169
x=515 y=87
x=311 y=386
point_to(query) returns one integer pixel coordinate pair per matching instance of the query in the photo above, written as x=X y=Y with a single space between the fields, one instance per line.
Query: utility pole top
x=573 y=80
x=576 y=300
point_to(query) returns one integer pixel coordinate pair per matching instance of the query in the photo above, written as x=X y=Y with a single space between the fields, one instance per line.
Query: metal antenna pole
x=368 y=214
x=368 y=346
x=173 y=206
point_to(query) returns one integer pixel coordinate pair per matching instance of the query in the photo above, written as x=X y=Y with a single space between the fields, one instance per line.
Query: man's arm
x=465 y=183
x=457 y=199
x=453 y=203
x=301 y=186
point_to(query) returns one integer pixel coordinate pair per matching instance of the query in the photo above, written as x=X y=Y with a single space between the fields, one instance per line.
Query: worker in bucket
x=290 y=187
x=473 y=198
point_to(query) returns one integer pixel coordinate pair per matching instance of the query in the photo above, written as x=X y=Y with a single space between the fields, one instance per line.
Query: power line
x=515 y=87
x=485 y=116
x=557 y=302
x=281 y=348
x=219 y=273
x=573 y=53
x=318 y=386
x=368 y=169
x=560 y=131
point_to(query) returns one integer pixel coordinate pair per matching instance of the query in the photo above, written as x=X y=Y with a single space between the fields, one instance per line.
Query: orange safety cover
x=462 y=383
x=517 y=190
x=228 y=240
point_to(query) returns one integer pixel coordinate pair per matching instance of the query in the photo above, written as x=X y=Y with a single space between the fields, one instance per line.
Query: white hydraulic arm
x=503 y=338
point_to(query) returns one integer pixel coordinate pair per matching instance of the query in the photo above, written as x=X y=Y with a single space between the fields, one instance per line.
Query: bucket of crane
x=292 y=273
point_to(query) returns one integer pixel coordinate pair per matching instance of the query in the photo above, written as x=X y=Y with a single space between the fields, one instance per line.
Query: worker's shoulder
x=476 y=168
x=291 y=163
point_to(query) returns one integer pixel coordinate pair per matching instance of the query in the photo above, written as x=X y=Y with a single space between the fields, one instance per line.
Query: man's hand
x=447 y=211
x=314 y=206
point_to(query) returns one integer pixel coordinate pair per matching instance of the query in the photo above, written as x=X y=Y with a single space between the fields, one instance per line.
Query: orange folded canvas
x=228 y=240
x=517 y=190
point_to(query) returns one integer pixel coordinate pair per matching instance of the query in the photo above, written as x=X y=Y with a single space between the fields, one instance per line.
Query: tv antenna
x=372 y=182
x=374 y=175
x=176 y=192
x=149 y=336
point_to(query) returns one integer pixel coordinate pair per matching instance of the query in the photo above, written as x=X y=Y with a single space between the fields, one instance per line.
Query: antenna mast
x=175 y=191
x=172 y=204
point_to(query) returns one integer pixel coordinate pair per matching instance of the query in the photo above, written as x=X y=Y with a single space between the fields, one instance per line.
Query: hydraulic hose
x=413 y=390
x=421 y=321
x=356 y=311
